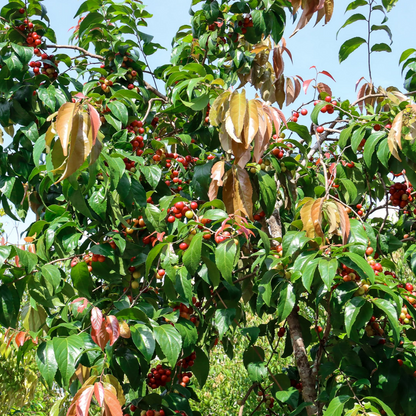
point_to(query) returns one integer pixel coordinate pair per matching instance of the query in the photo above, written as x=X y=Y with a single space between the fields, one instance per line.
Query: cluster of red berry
x=295 y=114
x=373 y=328
x=184 y=311
x=409 y=288
x=400 y=195
x=187 y=361
x=180 y=209
x=245 y=23
x=296 y=384
x=329 y=108
x=159 y=376
x=348 y=274
x=184 y=378
x=48 y=69
x=259 y=216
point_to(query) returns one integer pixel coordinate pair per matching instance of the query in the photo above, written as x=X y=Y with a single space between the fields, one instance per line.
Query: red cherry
x=320 y=129
x=304 y=111
x=194 y=205
x=171 y=218
x=183 y=246
x=130 y=86
x=400 y=362
x=377 y=127
x=161 y=272
x=359 y=206
x=180 y=205
x=295 y=119
x=22 y=11
x=388 y=126
x=328 y=99
x=295 y=114
x=133 y=408
x=409 y=287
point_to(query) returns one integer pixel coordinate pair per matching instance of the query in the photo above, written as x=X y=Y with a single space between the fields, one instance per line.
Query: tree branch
x=302 y=363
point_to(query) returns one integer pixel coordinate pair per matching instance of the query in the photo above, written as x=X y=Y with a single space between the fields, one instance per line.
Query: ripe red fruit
x=360 y=213
x=180 y=205
x=295 y=119
x=388 y=126
x=295 y=114
x=210 y=157
x=400 y=362
x=377 y=127
x=359 y=206
x=150 y=413
x=22 y=10
x=194 y=205
x=161 y=272
x=409 y=287
x=369 y=251
x=281 y=332
x=130 y=86
x=133 y=408
x=183 y=246
x=382 y=341
x=320 y=129
x=319 y=328
x=171 y=218
x=328 y=99
x=304 y=111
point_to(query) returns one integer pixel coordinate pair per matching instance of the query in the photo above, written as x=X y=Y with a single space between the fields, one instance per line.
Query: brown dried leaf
x=49 y=136
x=290 y=92
x=83 y=373
x=238 y=109
x=320 y=15
x=218 y=108
x=309 y=9
x=316 y=213
x=306 y=217
x=394 y=139
x=64 y=120
x=345 y=223
x=280 y=94
x=361 y=94
x=245 y=191
x=278 y=63
x=241 y=154
x=324 y=88
x=298 y=88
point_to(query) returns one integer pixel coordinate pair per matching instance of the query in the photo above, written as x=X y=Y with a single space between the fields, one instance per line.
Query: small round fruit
x=135 y=285
x=136 y=275
x=194 y=205
x=183 y=246
x=409 y=287
x=369 y=251
x=320 y=129
x=161 y=272
x=400 y=362
x=328 y=99
x=171 y=218
x=304 y=111
x=319 y=328
x=133 y=408
x=22 y=11
x=377 y=127
x=189 y=214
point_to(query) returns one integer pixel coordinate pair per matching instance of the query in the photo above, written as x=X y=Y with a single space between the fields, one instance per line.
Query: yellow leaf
x=238 y=192
x=395 y=135
x=218 y=108
x=316 y=213
x=50 y=134
x=329 y=10
x=252 y=125
x=225 y=139
x=230 y=128
x=1 y=136
x=110 y=379
x=64 y=121
x=9 y=130
x=238 y=108
x=80 y=147
x=306 y=217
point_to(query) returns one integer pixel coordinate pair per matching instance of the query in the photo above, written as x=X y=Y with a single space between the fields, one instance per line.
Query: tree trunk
x=306 y=377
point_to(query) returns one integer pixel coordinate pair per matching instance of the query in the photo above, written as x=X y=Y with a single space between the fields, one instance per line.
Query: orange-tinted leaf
x=82 y=373
x=112 y=406
x=81 y=307
x=230 y=128
x=111 y=382
x=298 y=87
x=396 y=129
x=345 y=223
x=63 y=125
x=113 y=328
x=81 y=402
x=217 y=172
x=316 y=213
x=320 y=15
x=238 y=108
x=328 y=75
x=306 y=85
x=99 y=393
x=100 y=336
x=20 y=338
x=279 y=87
x=95 y=122
x=96 y=318
x=241 y=154
x=245 y=191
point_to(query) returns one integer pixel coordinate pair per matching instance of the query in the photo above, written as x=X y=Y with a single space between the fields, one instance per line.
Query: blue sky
x=311 y=46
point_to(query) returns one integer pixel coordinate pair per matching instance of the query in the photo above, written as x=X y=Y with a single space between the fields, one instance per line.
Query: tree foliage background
x=170 y=220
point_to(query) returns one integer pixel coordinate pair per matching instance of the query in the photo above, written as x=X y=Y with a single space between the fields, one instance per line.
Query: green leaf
x=357 y=3
x=143 y=339
x=385 y=28
x=257 y=371
x=357 y=137
x=138 y=193
x=268 y=191
x=328 y=269
x=359 y=237
x=301 y=130
x=183 y=284
x=381 y=47
x=154 y=252
x=4 y=253
x=351 y=190
x=188 y=332
x=224 y=258
x=201 y=367
x=316 y=111
x=27 y=260
x=98 y=202
x=294 y=241
x=152 y=174
x=286 y=303
x=212 y=273
x=155 y=217
x=370 y=146
x=354 y=18
x=192 y=256
x=336 y=406
x=52 y=275
x=386 y=408
x=169 y=341
x=345 y=135
x=82 y=280
x=359 y=264
x=352 y=310
x=383 y=153
x=9 y=306
x=223 y=319
x=119 y=110
x=90 y=19
x=349 y=46
x=308 y=274
x=215 y=215
x=391 y=314
x=46 y=362
x=67 y=352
